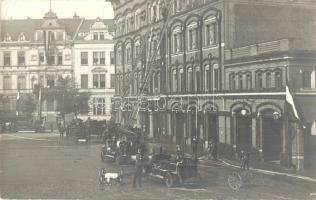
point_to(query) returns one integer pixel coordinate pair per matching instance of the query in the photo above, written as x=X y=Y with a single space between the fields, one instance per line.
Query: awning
x=306 y=106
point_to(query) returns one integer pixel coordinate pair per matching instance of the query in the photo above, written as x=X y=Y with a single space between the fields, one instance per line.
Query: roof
x=28 y=27
x=87 y=23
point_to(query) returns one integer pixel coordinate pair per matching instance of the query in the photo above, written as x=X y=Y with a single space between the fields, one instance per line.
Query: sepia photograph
x=158 y=99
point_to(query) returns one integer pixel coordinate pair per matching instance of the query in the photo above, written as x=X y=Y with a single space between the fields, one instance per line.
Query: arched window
x=135 y=89
x=189 y=80
x=268 y=80
x=181 y=80
x=232 y=82
x=197 y=79
x=240 y=81
x=248 y=81
x=174 y=80
x=207 y=78
x=215 y=77
x=192 y=38
x=259 y=80
x=177 y=39
x=210 y=31
x=278 y=79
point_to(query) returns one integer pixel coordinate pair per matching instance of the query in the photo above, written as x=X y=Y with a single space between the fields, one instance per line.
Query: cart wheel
x=234 y=181
x=169 y=180
x=101 y=176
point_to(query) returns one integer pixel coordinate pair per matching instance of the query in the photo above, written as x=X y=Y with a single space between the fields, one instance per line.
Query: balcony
x=258 y=49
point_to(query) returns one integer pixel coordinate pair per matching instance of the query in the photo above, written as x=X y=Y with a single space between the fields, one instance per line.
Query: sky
x=89 y=9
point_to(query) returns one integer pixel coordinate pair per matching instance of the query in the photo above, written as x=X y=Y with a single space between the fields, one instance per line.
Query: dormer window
x=60 y=36
x=101 y=36
x=95 y=36
x=7 y=38
x=21 y=37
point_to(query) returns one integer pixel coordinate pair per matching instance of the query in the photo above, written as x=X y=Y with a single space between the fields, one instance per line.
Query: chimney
x=75 y=16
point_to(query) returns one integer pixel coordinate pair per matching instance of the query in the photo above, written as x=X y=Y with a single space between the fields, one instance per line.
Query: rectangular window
x=84 y=81
x=41 y=57
x=98 y=80
x=102 y=80
x=112 y=80
x=21 y=58
x=7 y=58
x=233 y=82
x=50 y=81
x=99 y=106
x=60 y=36
x=51 y=58
x=95 y=36
x=102 y=58
x=41 y=80
x=84 y=58
x=99 y=58
x=39 y=36
x=21 y=82
x=7 y=82
x=101 y=36
x=112 y=57
x=95 y=81
x=197 y=80
x=306 y=77
x=60 y=58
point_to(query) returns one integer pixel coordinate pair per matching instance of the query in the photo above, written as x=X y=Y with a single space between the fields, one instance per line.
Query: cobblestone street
x=40 y=166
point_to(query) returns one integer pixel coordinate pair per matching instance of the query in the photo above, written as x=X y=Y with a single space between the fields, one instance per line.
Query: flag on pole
x=290 y=100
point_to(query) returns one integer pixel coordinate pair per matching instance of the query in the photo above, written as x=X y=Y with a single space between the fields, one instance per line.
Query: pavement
x=43 y=166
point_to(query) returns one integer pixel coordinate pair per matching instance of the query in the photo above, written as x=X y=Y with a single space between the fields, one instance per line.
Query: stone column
x=259 y=140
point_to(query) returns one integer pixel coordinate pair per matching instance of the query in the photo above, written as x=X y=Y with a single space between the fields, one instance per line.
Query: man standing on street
x=138 y=170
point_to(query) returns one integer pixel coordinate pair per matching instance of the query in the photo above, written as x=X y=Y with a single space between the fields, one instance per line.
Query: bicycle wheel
x=234 y=181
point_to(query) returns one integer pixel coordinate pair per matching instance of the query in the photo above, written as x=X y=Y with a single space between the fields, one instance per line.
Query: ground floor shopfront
x=261 y=124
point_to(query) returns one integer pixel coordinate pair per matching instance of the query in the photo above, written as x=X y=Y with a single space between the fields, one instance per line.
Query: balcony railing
x=257 y=49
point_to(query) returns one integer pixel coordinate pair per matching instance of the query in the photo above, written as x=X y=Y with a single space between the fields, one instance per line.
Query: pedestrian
x=138 y=170
x=245 y=159
x=179 y=163
x=212 y=150
x=194 y=146
x=51 y=127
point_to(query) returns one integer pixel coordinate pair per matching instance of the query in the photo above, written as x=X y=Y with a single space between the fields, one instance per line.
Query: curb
x=268 y=172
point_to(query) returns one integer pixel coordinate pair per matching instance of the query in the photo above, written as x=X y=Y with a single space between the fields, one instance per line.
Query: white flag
x=290 y=100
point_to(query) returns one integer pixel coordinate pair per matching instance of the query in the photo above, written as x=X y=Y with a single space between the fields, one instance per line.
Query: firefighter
x=245 y=158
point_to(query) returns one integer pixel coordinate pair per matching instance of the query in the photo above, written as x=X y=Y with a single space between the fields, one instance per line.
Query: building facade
x=94 y=66
x=207 y=70
x=38 y=52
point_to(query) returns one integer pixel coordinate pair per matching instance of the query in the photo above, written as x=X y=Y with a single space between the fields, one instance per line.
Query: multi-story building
x=94 y=65
x=38 y=51
x=218 y=70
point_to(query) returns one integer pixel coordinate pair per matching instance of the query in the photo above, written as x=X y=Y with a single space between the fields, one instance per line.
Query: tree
x=67 y=95
x=26 y=105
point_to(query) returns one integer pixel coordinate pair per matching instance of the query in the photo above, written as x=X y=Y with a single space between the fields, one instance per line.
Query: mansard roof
x=29 y=26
